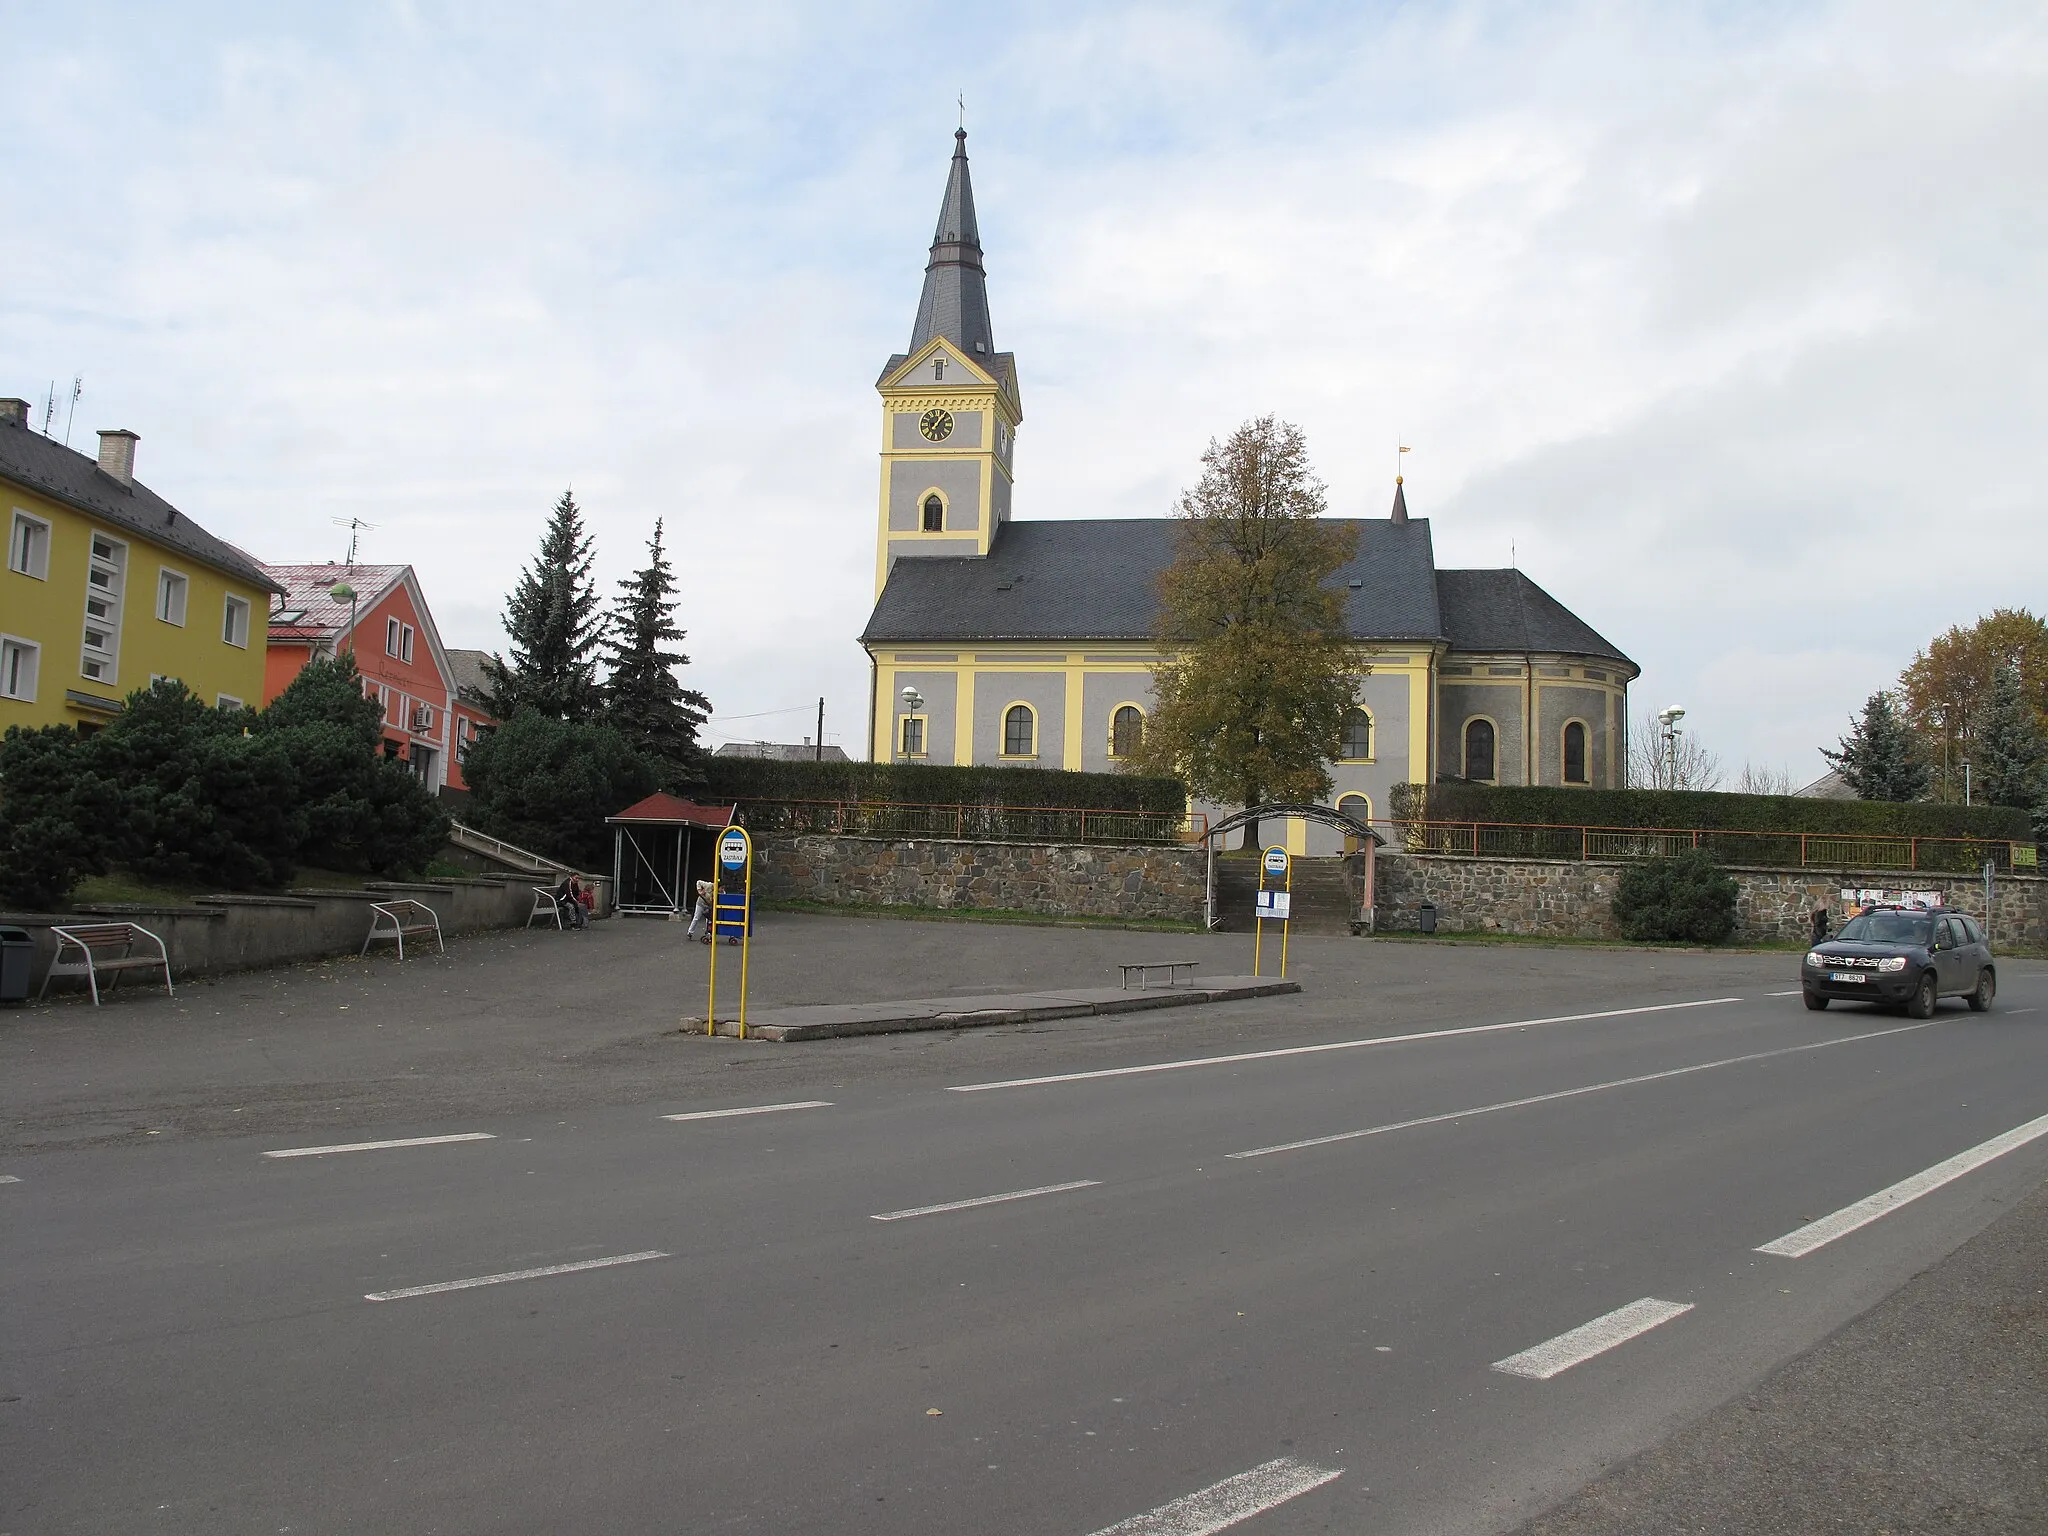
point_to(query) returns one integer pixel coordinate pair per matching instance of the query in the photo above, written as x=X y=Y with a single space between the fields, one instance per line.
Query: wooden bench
x=1145 y=968
x=105 y=949
x=544 y=905
x=398 y=920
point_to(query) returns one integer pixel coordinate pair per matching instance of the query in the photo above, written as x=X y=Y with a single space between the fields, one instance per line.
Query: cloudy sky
x=1729 y=324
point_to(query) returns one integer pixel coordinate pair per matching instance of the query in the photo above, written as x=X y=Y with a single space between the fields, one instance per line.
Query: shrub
x=548 y=785
x=55 y=816
x=757 y=778
x=1687 y=897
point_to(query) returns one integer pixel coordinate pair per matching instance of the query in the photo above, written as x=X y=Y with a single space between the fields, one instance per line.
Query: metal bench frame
x=403 y=917
x=87 y=939
x=544 y=905
x=1144 y=968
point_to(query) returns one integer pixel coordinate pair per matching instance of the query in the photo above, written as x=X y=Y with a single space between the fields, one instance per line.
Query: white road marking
x=1334 y=1045
x=517 y=1274
x=380 y=1146
x=1560 y=1354
x=8 y=1178
x=751 y=1109
x=1793 y=993
x=1222 y=1505
x=961 y=1205
x=1818 y=1234
x=1572 y=1093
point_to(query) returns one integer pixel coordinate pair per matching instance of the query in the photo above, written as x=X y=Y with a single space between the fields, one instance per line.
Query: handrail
x=482 y=842
x=977 y=822
x=1882 y=850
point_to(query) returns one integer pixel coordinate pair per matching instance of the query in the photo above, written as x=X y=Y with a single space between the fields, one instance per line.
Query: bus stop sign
x=732 y=849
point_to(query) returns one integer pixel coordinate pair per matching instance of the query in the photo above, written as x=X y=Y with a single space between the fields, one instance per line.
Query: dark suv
x=1905 y=956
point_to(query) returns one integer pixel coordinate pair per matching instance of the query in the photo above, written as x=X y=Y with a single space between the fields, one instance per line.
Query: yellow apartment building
x=108 y=586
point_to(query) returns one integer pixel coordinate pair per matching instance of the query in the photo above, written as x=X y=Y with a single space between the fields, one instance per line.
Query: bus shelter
x=659 y=845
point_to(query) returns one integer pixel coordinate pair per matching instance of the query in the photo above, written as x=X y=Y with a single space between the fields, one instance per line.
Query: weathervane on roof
x=1400 y=449
x=962 y=100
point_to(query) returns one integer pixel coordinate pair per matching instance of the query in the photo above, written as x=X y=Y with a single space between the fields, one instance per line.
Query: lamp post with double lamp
x=1668 y=717
x=913 y=701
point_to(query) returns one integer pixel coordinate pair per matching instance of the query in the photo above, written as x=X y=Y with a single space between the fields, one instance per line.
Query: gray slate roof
x=954 y=303
x=1506 y=611
x=1099 y=580
x=66 y=475
x=468 y=670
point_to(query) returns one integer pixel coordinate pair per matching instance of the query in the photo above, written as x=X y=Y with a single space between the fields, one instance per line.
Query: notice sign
x=1276 y=861
x=1273 y=905
x=732 y=848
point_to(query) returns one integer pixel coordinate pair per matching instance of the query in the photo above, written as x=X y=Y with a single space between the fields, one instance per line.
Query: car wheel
x=1987 y=989
x=1814 y=1001
x=1922 y=1005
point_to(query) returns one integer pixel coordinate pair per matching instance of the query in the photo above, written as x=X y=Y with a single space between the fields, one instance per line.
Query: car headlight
x=1813 y=958
x=1892 y=963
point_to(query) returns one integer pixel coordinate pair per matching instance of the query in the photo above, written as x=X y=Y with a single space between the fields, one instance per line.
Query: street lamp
x=1668 y=717
x=1966 y=781
x=342 y=592
x=913 y=701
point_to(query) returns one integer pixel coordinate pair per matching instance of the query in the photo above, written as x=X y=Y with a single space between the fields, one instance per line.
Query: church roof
x=1099 y=580
x=1506 y=611
x=954 y=303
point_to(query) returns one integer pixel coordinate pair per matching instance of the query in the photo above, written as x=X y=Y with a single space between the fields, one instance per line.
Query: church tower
x=950 y=407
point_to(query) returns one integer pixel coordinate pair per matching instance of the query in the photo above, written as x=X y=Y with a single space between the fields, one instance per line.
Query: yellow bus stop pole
x=746 y=931
x=1288 y=919
x=711 y=1003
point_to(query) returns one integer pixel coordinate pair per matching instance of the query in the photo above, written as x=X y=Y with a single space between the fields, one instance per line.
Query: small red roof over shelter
x=660 y=810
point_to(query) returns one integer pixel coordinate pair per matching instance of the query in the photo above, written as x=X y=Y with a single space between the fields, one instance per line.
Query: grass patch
x=917 y=914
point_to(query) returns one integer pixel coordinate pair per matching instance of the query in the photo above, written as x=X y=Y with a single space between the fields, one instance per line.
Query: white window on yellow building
x=18 y=668
x=226 y=701
x=234 y=623
x=106 y=578
x=171 y=587
x=28 y=546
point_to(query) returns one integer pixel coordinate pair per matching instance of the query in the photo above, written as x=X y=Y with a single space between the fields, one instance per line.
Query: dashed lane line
x=962 y=1205
x=1818 y=1234
x=1555 y=1356
x=382 y=1146
x=8 y=1178
x=542 y=1273
x=1230 y=1502
x=751 y=1109
x=1569 y=1093
x=1333 y=1045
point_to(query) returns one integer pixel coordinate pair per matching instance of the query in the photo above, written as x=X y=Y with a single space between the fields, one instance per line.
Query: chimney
x=14 y=413
x=117 y=456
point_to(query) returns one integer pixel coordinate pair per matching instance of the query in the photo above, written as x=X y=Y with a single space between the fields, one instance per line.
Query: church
x=1031 y=643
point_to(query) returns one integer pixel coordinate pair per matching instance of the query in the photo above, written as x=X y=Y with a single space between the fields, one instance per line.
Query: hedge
x=1691 y=809
x=760 y=778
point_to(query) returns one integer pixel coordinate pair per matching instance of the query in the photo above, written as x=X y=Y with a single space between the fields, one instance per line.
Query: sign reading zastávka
x=1276 y=861
x=732 y=848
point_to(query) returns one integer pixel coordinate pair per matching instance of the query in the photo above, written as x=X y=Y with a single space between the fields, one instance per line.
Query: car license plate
x=1845 y=976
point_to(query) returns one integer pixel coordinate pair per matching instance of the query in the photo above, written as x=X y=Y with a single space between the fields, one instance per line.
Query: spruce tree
x=1877 y=758
x=1259 y=668
x=2012 y=752
x=643 y=700
x=555 y=627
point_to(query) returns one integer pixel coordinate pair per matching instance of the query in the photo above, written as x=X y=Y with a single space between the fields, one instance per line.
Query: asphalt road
x=818 y=1320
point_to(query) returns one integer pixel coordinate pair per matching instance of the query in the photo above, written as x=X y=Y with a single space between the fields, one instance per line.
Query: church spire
x=955 y=299
x=1400 y=500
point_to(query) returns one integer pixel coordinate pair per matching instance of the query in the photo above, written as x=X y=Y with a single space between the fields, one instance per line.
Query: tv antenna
x=77 y=389
x=49 y=407
x=355 y=526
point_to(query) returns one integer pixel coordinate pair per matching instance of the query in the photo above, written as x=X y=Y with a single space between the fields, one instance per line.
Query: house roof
x=468 y=668
x=665 y=810
x=308 y=592
x=64 y=475
x=1506 y=611
x=782 y=751
x=1099 y=580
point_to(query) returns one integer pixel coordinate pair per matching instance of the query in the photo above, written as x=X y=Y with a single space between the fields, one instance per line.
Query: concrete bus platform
x=830 y=1021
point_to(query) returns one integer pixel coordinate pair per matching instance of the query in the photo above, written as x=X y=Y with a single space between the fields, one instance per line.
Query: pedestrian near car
x=701 y=913
x=1820 y=925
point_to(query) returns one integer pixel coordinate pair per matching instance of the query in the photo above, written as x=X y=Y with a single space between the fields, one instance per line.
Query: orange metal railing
x=1832 y=850
x=975 y=823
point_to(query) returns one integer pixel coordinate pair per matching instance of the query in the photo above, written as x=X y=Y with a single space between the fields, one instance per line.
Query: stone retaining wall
x=238 y=933
x=1570 y=899
x=1056 y=879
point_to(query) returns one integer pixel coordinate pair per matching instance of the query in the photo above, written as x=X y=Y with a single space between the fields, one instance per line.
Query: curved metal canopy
x=1328 y=815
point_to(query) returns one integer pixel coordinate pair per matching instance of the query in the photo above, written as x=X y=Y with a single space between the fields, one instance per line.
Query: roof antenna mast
x=355 y=526
x=77 y=389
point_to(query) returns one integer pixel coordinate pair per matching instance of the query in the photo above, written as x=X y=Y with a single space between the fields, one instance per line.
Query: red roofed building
x=429 y=716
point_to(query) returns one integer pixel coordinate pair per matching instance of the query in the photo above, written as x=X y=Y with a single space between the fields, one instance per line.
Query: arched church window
x=1359 y=808
x=1126 y=730
x=934 y=514
x=1357 y=742
x=1479 y=749
x=1019 y=731
x=1575 y=753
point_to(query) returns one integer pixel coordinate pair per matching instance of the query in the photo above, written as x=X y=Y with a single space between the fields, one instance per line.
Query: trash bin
x=17 y=953
x=1428 y=917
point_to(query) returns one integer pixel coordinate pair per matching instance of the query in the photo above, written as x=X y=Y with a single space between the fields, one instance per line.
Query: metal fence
x=1831 y=850
x=970 y=823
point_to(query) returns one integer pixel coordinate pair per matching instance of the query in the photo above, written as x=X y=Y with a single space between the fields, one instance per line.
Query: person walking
x=1820 y=924
x=702 y=913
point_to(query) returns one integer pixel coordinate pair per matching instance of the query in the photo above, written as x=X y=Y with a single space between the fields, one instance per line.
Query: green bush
x=1687 y=808
x=548 y=785
x=1686 y=898
x=758 y=778
x=56 y=817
